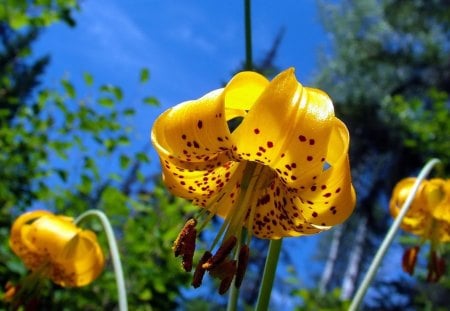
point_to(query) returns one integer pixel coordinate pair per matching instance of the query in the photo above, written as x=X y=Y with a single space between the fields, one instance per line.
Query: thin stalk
x=233 y=298
x=234 y=291
x=357 y=299
x=115 y=257
x=248 y=35
x=269 y=275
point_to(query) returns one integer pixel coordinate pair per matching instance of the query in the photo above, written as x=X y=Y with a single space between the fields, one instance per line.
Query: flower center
x=230 y=260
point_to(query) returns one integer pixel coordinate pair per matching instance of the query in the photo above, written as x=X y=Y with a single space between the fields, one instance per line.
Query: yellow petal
x=81 y=259
x=49 y=234
x=16 y=240
x=244 y=89
x=200 y=184
x=277 y=214
x=418 y=219
x=331 y=198
x=438 y=199
x=193 y=130
x=288 y=129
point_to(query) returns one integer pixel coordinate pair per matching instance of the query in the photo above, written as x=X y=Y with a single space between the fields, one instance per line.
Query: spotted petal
x=288 y=129
x=193 y=131
x=52 y=244
x=331 y=198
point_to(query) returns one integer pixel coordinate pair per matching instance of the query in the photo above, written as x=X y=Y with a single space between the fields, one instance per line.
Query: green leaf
x=145 y=75
x=62 y=174
x=88 y=79
x=124 y=161
x=69 y=88
x=114 y=90
x=106 y=102
x=129 y=112
x=151 y=100
x=142 y=157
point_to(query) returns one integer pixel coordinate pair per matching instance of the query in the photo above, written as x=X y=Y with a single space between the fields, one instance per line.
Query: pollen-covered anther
x=199 y=270
x=242 y=263
x=222 y=253
x=184 y=245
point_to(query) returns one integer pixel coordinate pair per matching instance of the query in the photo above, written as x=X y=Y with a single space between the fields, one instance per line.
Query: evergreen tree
x=387 y=70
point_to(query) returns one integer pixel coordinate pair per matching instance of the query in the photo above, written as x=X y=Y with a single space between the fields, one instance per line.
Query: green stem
x=233 y=298
x=234 y=291
x=248 y=35
x=269 y=275
x=357 y=299
x=115 y=257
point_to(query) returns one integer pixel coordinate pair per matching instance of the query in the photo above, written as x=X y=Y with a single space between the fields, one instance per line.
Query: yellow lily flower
x=282 y=171
x=54 y=247
x=428 y=217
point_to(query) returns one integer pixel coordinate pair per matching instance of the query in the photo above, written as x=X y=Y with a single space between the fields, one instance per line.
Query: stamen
x=436 y=267
x=243 y=257
x=184 y=245
x=199 y=270
x=188 y=255
x=223 y=251
x=248 y=199
x=225 y=285
x=225 y=271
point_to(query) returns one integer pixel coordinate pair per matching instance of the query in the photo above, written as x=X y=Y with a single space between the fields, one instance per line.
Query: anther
x=225 y=285
x=188 y=255
x=199 y=270
x=436 y=267
x=188 y=230
x=184 y=245
x=223 y=251
x=225 y=271
x=244 y=254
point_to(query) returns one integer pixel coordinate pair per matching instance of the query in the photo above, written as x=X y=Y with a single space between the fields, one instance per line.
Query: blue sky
x=190 y=47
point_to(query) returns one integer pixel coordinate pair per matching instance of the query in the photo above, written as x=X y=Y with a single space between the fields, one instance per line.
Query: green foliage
x=387 y=70
x=38 y=153
x=39 y=13
x=423 y=122
x=68 y=150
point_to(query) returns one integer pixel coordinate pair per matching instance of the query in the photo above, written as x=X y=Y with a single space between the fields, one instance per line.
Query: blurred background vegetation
x=387 y=69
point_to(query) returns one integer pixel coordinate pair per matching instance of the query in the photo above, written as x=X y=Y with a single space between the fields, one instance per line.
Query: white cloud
x=111 y=37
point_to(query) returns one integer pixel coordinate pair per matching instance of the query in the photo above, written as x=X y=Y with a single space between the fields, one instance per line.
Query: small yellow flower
x=54 y=247
x=428 y=217
x=268 y=156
